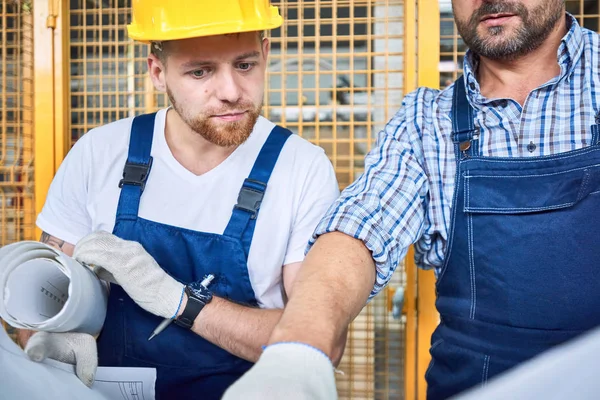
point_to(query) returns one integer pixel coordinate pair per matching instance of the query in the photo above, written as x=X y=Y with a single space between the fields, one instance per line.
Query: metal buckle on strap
x=135 y=174
x=465 y=136
x=251 y=197
x=464 y=139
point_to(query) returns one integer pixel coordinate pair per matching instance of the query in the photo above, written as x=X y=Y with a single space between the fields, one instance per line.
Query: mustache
x=499 y=7
x=232 y=108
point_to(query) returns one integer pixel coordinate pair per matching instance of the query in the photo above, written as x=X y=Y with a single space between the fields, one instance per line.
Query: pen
x=161 y=327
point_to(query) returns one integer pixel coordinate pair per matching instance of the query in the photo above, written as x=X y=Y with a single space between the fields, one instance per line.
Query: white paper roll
x=43 y=289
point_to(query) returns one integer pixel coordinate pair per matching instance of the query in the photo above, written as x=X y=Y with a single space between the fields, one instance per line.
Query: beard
x=224 y=134
x=536 y=25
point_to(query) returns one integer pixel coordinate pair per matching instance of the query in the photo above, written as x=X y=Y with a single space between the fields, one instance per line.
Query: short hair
x=159 y=49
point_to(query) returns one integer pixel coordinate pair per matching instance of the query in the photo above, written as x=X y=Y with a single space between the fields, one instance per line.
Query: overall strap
x=243 y=219
x=464 y=134
x=137 y=167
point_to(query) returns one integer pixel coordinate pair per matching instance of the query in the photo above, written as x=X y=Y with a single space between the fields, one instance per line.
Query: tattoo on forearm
x=52 y=241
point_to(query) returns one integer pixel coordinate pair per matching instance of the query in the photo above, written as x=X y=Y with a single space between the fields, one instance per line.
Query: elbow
x=338 y=349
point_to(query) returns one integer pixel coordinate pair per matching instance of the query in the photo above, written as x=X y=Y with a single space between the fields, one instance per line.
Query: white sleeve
x=318 y=192
x=65 y=214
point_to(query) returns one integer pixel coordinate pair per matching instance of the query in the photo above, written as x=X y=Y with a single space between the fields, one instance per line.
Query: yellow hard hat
x=160 y=20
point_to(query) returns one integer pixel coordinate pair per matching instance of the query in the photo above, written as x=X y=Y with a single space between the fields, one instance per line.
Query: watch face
x=199 y=291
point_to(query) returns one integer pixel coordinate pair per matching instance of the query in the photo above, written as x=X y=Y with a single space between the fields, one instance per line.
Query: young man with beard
x=205 y=187
x=496 y=181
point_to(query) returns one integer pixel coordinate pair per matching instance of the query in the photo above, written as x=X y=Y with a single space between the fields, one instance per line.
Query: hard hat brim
x=212 y=30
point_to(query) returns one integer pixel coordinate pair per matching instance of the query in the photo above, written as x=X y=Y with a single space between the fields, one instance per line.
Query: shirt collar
x=569 y=53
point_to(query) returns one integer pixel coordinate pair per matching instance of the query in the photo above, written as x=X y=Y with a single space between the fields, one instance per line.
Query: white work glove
x=290 y=371
x=78 y=349
x=133 y=269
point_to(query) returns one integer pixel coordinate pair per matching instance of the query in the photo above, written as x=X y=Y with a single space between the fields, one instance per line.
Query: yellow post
x=62 y=89
x=428 y=27
x=410 y=309
x=410 y=295
x=43 y=101
x=49 y=95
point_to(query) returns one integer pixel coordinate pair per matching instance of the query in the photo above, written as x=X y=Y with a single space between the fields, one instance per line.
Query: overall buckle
x=251 y=196
x=135 y=174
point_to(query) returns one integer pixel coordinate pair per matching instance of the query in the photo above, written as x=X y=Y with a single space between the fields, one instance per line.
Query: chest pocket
x=528 y=193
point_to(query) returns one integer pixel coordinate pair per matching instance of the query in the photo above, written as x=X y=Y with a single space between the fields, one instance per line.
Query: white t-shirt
x=84 y=194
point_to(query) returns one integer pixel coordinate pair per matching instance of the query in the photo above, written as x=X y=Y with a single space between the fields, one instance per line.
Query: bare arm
x=53 y=241
x=241 y=330
x=23 y=335
x=331 y=289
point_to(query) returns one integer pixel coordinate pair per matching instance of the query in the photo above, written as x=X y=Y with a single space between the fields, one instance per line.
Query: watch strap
x=191 y=311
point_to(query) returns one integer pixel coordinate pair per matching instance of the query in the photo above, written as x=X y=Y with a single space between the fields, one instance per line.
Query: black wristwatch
x=198 y=297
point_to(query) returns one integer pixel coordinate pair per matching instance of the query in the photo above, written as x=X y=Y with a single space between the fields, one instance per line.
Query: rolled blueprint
x=43 y=289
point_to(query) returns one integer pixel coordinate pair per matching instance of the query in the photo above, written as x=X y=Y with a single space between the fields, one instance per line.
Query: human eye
x=198 y=73
x=246 y=66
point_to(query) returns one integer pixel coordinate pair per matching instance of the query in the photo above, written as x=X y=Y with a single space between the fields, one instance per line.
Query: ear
x=157 y=71
x=266 y=46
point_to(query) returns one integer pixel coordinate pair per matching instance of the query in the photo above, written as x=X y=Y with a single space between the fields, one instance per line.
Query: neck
x=515 y=79
x=190 y=149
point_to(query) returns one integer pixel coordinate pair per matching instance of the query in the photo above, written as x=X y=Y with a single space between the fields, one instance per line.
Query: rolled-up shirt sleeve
x=385 y=207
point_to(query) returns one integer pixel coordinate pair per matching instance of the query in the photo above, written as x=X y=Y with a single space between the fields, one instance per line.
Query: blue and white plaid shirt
x=405 y=195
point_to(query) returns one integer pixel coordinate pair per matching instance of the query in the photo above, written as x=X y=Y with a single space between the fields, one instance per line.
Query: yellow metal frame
x=428 y=26
x=422 y=22
x=410 y=298
x=50 y=100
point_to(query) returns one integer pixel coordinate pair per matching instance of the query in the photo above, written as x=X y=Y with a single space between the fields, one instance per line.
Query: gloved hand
x=291 y=371
x=78 y=349
x=134 y=269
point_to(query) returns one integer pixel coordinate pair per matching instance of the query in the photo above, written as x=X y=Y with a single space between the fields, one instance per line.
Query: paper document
x=22 y=378
x=43 y=289
x=126 y=383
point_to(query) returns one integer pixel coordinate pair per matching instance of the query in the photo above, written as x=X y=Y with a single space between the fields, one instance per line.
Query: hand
x=134 y=269
x=291 y=371
x=78 y=349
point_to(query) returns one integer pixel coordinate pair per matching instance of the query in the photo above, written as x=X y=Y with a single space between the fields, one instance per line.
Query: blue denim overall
x=187 y=365
x=522 y=269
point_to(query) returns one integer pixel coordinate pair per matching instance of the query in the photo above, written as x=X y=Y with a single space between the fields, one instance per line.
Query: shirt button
x=503 y=103
x=531 y=147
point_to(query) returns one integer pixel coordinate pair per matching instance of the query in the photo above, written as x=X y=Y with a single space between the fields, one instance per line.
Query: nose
x=228 y=87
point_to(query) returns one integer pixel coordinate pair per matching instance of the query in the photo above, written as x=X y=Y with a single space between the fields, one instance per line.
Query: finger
x=104 y=274
x=94 y=253
x=86 y=367
x=37 y=347
x=86 y=358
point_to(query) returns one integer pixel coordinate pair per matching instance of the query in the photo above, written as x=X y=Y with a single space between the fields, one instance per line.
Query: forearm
x=240 y=330
x=331 y=289
x=60 y=244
